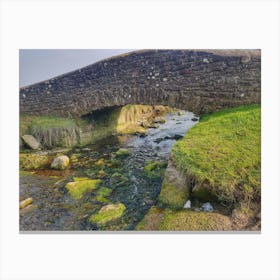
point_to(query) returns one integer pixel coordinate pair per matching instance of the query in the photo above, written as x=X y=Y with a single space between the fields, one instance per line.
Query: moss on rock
x=81 y=185
x=155 y=168
x=108 y=213
x=151 y=220
x=174 y=191
x=121 y=153
x=187 y=220
x=29 y=161
x=172 y=196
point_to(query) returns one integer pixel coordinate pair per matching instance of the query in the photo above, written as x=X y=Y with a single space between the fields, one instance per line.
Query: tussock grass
x=223 y=152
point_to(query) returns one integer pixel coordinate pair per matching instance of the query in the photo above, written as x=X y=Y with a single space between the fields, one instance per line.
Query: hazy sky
x=39 y=65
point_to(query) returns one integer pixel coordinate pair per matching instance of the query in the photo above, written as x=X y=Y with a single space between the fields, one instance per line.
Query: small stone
x=194 y=119
x=25 y=202
x=164 y=79
x=207 y=207
x=31 y=142
x=123 y=152
x=205 y=60
x=187 y=205
x=60 y=163
x=86 y=149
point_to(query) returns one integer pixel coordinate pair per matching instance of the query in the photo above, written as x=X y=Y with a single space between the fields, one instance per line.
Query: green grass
x=223 y=153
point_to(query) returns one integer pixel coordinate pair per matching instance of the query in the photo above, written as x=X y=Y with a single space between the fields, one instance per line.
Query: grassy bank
x=222 y=155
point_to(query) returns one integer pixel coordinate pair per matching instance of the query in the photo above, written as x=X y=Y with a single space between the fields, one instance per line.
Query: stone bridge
x=200 y=81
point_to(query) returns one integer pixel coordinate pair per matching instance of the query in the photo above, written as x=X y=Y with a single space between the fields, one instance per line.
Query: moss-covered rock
x=108 y=214
x=121 y=153
x=174 y=191
x=151 y=220
x=29 y=161
x=187 y=220
x=158 y=219
x=81 y=185
x=155 y=168
x=103 y=191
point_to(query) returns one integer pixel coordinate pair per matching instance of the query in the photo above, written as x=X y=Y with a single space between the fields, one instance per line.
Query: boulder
x=31 y=142
x=60 y=163
x=174 y=191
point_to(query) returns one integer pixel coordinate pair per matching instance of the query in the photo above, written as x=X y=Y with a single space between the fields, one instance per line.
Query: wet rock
x=60 y=163
x=31 y=142
x=25 y=202
x=159 y=120
x=118 y=179
x=123 y=153
x=153 y=125
x=187 y=205
x=29 y=208
x=207 y=207
x=194 y=119
x=86 y=149
x=177 y=136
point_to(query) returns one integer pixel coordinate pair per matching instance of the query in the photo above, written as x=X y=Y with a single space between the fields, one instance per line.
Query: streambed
x=133 y=179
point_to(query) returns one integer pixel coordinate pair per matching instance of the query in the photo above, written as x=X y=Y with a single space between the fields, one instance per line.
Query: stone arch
x=200 y=81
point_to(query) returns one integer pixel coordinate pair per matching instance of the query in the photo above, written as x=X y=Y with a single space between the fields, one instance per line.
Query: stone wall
x=200 y=81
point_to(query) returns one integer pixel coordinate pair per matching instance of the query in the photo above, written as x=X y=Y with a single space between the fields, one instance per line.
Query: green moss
x=224 y=149
x=203 y=193
x=103 y=191
x=172 y=197
x=151 y=220
x=117 y=179
x=108 y=213
x=102 y=199
x=121 y=153
x=188 y=220
x=23 y=173
x=81 y=185
x=155 y=168
x=30 y=161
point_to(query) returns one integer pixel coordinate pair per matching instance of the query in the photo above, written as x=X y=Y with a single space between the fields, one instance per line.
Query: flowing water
x=126 y=177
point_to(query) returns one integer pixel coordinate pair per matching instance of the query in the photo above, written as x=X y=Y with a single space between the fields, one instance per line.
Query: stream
x=133 y=179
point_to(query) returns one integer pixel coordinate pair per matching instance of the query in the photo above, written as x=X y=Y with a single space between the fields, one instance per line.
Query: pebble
x=207 y=207
x=187 y=205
